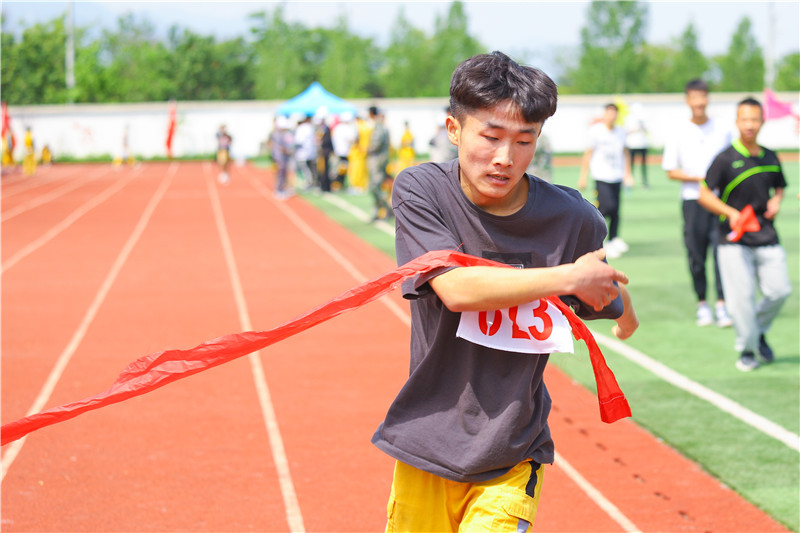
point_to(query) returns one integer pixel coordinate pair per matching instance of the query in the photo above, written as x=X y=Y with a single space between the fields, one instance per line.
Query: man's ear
x=453 y=129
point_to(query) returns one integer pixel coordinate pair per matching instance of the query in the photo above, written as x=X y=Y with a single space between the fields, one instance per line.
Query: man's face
x=749 y=119
x=495 y=146
x=697 y=102
x=610 y=116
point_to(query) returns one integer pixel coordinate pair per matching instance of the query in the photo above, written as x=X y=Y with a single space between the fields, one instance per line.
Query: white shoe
x=620 y=245
x=612 y=252
x=723 y=320
x=223 y=178
x=704 y=316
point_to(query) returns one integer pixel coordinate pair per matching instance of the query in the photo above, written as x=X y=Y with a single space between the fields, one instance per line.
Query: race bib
x=535 y=327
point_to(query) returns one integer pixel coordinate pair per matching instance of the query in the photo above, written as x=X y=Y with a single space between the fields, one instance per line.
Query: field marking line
x=33 y=184
x=294 y=515
x=358 y=213
x=330 y=250
x=49 y=197
x=720 y=401
x=595 y=495
x=67 y=222
x=662 y=371
x=66 y=355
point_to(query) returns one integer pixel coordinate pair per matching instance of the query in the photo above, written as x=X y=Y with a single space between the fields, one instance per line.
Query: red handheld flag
x=774 y=108
x=747 y=221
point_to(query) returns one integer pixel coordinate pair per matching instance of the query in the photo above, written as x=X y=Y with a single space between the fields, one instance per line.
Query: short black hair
x=485 y=80
x=696 y=85
x=373 y=111
x=612 y=105
x=750 y=101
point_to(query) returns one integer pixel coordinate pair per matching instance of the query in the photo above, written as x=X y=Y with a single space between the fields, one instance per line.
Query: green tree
x=136 y=63
x=450 y=45
x=284 y=55
x=347 y=63
x=407 y=61
x=33 y=68
x=690 y=63
x=612 y=42
x=202 y=69
x=742 y=69
x=788 y=73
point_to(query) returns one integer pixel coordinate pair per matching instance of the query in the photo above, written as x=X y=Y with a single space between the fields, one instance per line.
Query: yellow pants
x=421 y=501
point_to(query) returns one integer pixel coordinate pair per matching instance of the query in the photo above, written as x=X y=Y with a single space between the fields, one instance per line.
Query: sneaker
x=611 y=251
x=704 y=316
x=764 y=351
x=747 y=362
x=620 y=245
x=723 y=320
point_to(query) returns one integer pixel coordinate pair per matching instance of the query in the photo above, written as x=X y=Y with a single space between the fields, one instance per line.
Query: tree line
x=279 y=58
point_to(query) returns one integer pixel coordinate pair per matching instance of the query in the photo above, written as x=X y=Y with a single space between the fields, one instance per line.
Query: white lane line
x=291 y=505
x=29 y=184
x=66 y=222
x=662 y=371
x=360 y=214
x=330 y=250
x=723 y=403
x=596 y=496
x=49 y=197
x=63 y=360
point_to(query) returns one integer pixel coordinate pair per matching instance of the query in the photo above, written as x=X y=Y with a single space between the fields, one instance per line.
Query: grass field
x=761 y=468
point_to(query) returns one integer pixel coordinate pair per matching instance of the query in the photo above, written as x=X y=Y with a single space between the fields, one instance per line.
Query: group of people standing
x=332 y=153
x=719 y=175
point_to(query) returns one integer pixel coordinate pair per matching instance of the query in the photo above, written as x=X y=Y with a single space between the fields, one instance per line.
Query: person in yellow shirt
x=357 y=174
x=29 y=162
x=406 y=156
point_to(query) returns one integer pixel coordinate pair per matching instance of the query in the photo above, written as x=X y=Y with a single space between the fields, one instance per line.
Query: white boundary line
x=77 y=337
x=662 y=371
x=291 y=505
x=594 y=494
x=28 y=185
x=66 y=222
x=723 y=403
x=52 y=195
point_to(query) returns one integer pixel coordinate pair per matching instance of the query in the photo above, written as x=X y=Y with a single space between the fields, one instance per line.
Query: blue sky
x=541 y=32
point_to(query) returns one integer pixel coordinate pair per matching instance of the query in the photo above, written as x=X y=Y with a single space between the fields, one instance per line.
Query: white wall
x=86 y=130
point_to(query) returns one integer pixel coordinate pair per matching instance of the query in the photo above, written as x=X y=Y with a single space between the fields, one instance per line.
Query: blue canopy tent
x=312 y=99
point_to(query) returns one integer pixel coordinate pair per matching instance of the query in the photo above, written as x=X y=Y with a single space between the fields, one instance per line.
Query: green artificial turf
x=761 y=468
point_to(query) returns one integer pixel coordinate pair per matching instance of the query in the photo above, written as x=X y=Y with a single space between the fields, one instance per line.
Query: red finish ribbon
x=161 y=368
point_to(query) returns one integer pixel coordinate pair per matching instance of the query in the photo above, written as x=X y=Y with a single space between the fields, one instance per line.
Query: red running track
x=100 y=267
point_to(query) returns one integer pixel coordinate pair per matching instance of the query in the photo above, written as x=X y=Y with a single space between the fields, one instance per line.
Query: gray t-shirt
x=468 y=412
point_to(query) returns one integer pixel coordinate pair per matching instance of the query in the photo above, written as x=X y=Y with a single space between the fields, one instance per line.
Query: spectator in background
x=636 y=140
x=305 y=152
x=441 y=149
x=224 y=141
x=281 y=144
x=377 y=161
x=605 y=159
x=542 y=163
x=29 y=160
x=324 y=150
x=688 y=154
x=357 y=174
x=343 y=137
x=405 y=156
x=746 y=174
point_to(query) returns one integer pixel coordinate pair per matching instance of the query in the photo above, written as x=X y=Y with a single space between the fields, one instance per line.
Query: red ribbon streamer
x=158 y=369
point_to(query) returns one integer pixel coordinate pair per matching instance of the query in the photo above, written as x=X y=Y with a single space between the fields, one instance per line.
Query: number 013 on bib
x=535 y=327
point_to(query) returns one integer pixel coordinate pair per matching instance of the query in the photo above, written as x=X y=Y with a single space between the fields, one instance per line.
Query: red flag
x=774 y=108
x=158 y=369
x=747 y=221
x=173 y=111
x=6 y=120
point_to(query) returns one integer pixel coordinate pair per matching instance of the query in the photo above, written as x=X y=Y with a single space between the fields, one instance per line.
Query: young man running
x=469 y=428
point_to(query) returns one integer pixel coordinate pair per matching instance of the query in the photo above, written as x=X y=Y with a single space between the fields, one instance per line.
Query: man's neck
x=751 y=146
x=700 y=120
